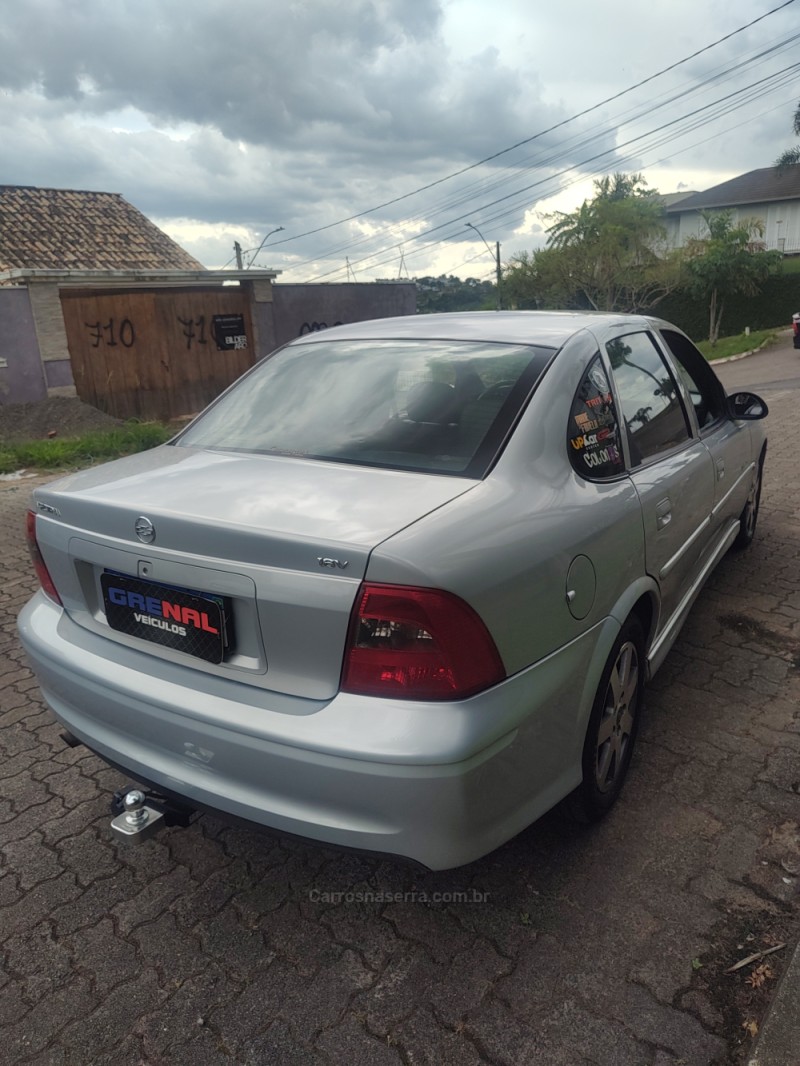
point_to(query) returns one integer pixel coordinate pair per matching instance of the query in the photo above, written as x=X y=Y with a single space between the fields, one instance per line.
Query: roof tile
x=56 y=229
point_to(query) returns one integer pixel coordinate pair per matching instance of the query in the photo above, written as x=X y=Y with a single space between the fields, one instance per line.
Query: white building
x=768 y=194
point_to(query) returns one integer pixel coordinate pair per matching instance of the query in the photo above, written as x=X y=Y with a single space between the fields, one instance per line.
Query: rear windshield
x=441 y=406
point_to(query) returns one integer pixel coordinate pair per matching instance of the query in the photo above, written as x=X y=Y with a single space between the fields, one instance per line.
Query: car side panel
x=677 y=494
x=507 y=547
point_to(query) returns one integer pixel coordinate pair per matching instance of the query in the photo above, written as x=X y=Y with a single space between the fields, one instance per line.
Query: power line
x=692 y=119
x=723 y=105
x=541 y=133
x=566 y=150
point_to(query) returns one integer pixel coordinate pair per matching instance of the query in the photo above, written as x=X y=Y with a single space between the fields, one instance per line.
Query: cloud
x=240 y=118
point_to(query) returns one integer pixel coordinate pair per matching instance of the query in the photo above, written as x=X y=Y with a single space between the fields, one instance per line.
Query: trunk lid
x=281 y=544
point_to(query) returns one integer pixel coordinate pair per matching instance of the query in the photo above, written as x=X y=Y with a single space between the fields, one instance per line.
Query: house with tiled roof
x=71 y=229
x=771 y=194
x=96 y=301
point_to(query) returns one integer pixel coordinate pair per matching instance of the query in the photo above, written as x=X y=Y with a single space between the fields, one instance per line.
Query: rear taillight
x=39 y=564
x=417 y=644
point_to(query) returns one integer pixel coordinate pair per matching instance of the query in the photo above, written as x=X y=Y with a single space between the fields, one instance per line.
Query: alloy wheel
x=617 y=720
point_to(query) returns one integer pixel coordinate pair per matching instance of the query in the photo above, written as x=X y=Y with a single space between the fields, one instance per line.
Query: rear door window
x=705 y=392
x=648 y=393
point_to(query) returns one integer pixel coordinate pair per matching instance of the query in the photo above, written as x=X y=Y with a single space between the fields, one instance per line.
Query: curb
x=778 y=1042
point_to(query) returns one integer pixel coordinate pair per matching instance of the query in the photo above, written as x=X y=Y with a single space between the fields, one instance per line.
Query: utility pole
x=499 y=276
x=238 y=250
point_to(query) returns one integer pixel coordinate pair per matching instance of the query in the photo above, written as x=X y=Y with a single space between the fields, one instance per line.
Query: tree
x=541 y=279
x=610 y=254
x=449 y=293
x=792 y=155
x=730 y=260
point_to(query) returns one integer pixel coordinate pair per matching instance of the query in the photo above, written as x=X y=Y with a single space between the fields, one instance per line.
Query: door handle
x=720 y=469
x=663 y=514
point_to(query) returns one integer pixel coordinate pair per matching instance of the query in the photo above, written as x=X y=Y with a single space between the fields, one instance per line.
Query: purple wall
x=21 y=373
x=299 y=309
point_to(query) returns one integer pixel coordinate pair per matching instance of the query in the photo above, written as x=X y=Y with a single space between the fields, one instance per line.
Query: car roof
x=546 y=328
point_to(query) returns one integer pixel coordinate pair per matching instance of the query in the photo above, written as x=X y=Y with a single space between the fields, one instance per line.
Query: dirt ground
x=67 y=416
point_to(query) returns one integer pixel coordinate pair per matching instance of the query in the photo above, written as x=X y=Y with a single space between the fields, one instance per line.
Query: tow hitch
x=140 y=814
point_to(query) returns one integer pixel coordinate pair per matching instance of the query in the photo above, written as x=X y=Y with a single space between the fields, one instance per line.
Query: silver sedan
x=401 y=586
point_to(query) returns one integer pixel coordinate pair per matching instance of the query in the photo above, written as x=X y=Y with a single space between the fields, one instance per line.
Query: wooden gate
x=156 y=353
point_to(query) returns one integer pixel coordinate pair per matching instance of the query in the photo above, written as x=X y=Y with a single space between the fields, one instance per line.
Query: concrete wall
x=22 y=377
x=299 y=309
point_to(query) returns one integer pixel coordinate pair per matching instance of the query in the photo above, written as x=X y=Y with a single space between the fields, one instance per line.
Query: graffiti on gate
x=228 y=332
x=194 y=329
x=314 y=327
x=108 y=332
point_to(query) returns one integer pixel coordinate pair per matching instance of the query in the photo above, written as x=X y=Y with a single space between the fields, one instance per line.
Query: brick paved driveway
x=607 y=946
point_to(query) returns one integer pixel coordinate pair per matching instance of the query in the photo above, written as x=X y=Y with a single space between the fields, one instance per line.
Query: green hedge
x=774 y=306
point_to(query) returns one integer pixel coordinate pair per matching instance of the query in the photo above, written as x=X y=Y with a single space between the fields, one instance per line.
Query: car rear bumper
x=441 y=784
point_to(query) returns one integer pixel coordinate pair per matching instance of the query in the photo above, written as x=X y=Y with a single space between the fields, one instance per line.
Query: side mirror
x=746 y=406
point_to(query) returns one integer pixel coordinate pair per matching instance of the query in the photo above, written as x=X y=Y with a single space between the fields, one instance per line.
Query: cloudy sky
x=365 y=128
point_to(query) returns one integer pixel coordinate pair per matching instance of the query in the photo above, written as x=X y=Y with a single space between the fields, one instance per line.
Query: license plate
x=177 y=618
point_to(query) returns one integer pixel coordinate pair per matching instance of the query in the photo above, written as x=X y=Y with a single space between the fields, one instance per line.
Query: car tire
x=613 y=725
x=749 y=515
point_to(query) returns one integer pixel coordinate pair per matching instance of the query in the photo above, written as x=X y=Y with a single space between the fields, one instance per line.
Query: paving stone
x=200 y=856
x=13 y=1004
x=262 y=1000
x=41 y=961
x=104 y=955
x=37 y=904
x=93 y=903
x=280 y=1044
x=363 y=929
x=175 y=953
x=88 y=857
x=204 y=1049
x=52 y=1056
x=153 y=898
x=424 y=1041
x=407 y=982
x=181 y=1017
x=654 y=1023
x=32 y=1032
x=31 y=861
x=308 y=945
x=350 y=1043
x=62 y=822
x=100 y=1031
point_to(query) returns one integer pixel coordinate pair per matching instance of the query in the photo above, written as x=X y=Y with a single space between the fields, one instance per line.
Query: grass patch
x=80 y=451
x=728 y=346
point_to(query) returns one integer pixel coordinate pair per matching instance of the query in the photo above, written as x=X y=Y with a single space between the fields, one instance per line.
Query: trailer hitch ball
x=133 y=804
x=139 y=820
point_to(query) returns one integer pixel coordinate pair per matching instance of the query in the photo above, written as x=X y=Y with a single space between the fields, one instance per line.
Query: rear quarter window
x=593 y=438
